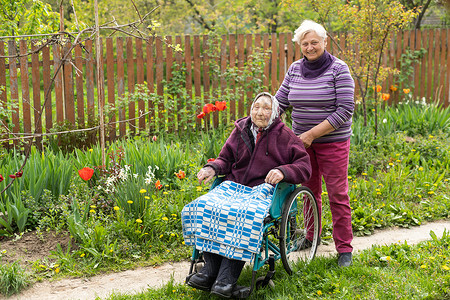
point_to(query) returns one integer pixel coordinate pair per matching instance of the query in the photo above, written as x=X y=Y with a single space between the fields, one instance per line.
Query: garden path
x=133 y=281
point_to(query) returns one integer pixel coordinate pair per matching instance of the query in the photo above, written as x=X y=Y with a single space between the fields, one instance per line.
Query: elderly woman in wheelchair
x=227 y=224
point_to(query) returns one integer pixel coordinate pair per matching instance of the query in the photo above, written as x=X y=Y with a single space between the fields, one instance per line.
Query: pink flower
x=154 y=138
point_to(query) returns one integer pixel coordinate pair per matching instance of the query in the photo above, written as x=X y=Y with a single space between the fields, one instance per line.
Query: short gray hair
x=308 y=26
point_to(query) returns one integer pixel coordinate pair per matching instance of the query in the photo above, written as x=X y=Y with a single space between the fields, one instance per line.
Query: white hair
x=306 y=27
x=275 y=106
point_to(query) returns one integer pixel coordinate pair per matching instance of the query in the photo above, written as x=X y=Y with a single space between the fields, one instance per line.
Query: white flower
x=110 y=181
x=135 y=175
x=384 y=120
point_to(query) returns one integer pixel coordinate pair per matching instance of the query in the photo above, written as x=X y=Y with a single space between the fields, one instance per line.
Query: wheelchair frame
x=282 y=213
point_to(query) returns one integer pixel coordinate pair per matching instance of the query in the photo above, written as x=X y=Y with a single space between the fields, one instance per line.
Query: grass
x=398 y=271
x=398 y=178
x=13 y=278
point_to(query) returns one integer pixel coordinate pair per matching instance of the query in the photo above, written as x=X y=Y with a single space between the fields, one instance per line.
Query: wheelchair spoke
x=299 y=232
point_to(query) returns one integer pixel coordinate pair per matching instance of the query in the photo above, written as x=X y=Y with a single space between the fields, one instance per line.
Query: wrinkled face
x=312 y=46
x=261 y=111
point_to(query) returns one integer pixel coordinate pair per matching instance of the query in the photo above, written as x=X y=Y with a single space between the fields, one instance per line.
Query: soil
x=32 y=247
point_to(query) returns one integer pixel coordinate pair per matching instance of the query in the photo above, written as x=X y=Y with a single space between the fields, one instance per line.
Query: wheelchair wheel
x=300 y=219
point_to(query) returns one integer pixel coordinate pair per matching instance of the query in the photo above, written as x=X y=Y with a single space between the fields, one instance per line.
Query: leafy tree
x=421 y=6
x=23 y=17
x=369 y=25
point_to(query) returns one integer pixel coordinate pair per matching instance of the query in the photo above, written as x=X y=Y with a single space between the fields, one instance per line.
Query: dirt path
x=134 y=281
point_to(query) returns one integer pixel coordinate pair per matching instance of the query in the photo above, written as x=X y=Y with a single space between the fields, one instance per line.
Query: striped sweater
x=326 y=97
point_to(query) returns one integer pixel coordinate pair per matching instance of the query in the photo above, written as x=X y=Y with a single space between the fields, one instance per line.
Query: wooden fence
x=129 y=61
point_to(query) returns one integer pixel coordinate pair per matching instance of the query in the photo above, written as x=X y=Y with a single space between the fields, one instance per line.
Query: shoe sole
x=199 y=287
x=221 y=295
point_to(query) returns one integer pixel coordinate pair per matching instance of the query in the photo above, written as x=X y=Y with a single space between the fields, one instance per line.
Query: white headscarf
x=275 y=108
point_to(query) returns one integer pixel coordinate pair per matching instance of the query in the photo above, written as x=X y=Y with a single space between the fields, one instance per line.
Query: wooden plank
x=290 y=50
x=26 y=103
x=241 y=57
x=91 y=115
x=417 y=47
x=223 y=68
x=423 y=65
x=69 y=103
x=250 y=91
x=179 y=103
x=47 y=88
x=150 y=82
x=197 y=78
x=391 y=80
x=140 y=80
x=442 y=85
x=178 y=54
x=130 y=80
x=169 y=108
x=79 y=80
x=206 y=79
x=430 y=65
x=232 y=83
x=447 y=102
x=298 y=52
x=259 y=50
x=398 y=53
x=266 y=47
x=121 y=84
x=14 y=86
x=101 y=77
x=188 y=63
x=111 y=88
x=436 y=87
x=3 y=91
x=215 y=80
x=159 y=83
x=36 y=80
x=58 y=75
x=281 y=58
x=274 y=66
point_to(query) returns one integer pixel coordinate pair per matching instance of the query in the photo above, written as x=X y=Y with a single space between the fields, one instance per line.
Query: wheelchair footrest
x=241 y=292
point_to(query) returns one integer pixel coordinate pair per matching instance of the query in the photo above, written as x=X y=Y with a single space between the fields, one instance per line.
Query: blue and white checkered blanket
x=229 y=220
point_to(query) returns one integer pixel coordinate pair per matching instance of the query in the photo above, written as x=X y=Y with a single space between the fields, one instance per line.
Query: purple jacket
x=243 y=162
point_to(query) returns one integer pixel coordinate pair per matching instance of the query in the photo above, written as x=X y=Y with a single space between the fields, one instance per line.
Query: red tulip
x=158 y=184
x=12 y=176
x=181 y=174
x=221 y=105
x=154 y=138
x=385 y=96
x=201 y=115
x=19 y=174
x=208 y=108
x=1 y=178
x=86 y=173
x=211 y=159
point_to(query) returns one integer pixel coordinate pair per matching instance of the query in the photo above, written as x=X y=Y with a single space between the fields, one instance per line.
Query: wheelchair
x=293 y=213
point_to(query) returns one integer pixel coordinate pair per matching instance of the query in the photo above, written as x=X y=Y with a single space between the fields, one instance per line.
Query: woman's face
x=261 y=111
x=312 y=46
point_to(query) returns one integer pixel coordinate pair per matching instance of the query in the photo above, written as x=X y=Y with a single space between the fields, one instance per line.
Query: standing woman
x=320 y=89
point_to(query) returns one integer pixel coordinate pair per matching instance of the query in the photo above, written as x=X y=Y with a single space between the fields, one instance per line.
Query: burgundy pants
x=330 y=160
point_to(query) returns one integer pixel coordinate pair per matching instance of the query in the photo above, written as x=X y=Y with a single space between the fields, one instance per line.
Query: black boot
x=204 y=279
x=229 y=272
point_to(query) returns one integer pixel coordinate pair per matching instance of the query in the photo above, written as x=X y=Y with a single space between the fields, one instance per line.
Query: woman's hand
x=274 y=176
x=206 y=173
x=307 y=139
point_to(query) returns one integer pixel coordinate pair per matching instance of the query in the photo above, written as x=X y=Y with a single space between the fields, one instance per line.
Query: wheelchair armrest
x=216 y=182
x=282 y=192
